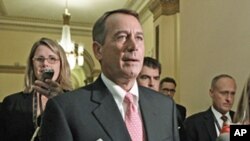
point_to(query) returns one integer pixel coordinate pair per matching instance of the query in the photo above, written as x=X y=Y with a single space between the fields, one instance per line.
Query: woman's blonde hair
x=242 y=115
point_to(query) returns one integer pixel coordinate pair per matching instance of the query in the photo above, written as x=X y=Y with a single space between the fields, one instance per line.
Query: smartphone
x=47 y=74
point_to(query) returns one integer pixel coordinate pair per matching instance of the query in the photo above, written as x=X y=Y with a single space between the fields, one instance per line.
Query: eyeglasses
x=51 y=60
x=169 y=90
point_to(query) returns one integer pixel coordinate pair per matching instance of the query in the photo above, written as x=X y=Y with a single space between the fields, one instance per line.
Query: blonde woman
x=21 y=112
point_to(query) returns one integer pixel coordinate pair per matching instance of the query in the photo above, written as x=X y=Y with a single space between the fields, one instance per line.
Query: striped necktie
x=225 y=128
x=224 y=119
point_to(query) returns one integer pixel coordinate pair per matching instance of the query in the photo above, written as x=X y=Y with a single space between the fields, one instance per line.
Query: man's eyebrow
x=139 y=33
x=145 y=75
x=165 y=89
x=120 y=31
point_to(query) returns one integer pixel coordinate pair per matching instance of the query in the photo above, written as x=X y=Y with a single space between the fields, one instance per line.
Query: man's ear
x=211 y=92
x=97 y=48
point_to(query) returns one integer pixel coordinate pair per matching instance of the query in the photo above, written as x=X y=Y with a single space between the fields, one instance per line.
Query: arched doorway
x=86 y=74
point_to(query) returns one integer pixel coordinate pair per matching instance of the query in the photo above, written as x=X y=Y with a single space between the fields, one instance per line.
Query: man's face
x=168 y=88
x=223 y=94
x=149 y=77
x=122 y=53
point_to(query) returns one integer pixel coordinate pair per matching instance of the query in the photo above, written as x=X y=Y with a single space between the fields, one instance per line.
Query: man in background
x=206 y=125
x=150 y=74
x=150 y=77
x=168 y=87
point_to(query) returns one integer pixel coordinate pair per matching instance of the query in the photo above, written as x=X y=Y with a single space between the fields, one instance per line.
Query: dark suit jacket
x=181 y=115
x=16 y=118
x=90 y=113
x=201 y=126
x=182 y=111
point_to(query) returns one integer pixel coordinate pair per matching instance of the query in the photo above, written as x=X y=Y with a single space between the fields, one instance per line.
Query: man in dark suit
x=206 y=125
x=99 y=111
x=150 y=77
x=168 y=87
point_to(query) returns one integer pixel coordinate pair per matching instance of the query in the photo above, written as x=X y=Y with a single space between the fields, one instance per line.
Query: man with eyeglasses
x=167 y=87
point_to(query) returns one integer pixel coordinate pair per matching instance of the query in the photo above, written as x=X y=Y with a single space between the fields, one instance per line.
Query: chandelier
x=74 y=51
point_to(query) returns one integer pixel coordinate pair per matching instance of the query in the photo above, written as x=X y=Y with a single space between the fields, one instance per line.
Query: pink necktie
x=133 y=120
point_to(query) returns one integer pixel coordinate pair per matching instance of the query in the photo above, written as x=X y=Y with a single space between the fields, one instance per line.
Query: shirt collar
x=118 y=92
x=218 y=114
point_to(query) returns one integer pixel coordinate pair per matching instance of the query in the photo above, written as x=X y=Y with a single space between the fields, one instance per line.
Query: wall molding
x=164 y=7
x=50 y=26
x=12 y=69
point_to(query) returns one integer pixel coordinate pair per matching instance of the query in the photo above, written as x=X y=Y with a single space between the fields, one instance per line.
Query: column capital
x=164 y=7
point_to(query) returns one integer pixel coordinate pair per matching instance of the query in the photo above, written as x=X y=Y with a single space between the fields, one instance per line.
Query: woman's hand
x=49 y=88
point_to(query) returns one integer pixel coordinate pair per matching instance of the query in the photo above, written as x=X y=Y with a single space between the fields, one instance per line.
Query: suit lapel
x=231 y=113
x=108 y=114
x=210 y=123
x=148 y=114
x=209 y=117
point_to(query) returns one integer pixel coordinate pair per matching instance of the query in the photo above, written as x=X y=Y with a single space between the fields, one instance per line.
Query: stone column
x=166 y=25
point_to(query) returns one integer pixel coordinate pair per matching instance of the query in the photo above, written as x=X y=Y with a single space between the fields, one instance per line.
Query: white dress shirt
x=219 y=120
x=119 y=94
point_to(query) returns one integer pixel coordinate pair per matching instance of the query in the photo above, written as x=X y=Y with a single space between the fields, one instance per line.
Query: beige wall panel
x=214 y=39
x=148 y=28
x=10 y=83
